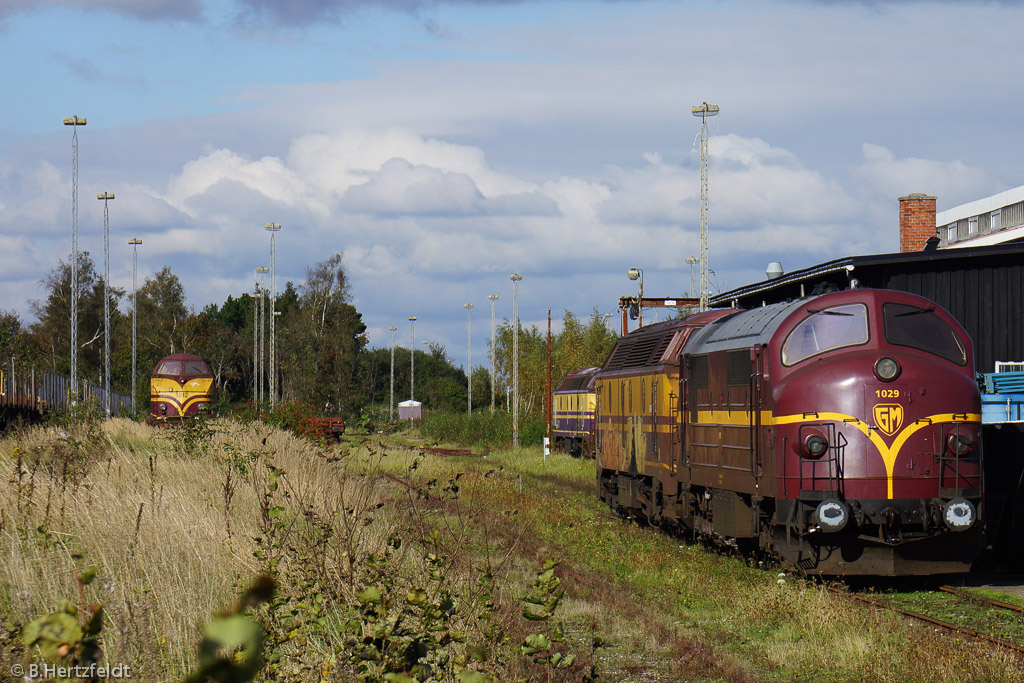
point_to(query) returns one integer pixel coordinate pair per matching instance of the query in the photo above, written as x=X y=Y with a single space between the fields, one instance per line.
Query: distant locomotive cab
x=840 y=432
x=574 y=402
x=180 y=387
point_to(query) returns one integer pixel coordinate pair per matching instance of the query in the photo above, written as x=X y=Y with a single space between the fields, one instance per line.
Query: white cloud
x=38 y=199
x=750 y=183
x=268 y=176
x=338 y=161
x=953 y=182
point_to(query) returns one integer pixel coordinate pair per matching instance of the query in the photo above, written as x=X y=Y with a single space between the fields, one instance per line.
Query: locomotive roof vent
x=774 y=270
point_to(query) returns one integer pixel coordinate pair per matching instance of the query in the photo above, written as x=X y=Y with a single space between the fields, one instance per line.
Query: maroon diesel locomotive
x=838 y=432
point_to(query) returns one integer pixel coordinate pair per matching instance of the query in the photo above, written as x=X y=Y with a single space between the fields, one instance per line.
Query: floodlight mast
x=412 y=358
x=704 y=110
x=134 y=242
x=493 y=298
x=75 y=122
x=469 y=358
x=273 y=228
x=516 y=279
x=391 y=401
x=259 y=336
x=105 y=197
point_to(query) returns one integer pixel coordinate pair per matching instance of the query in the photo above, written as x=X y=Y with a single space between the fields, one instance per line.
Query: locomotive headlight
x=887 y=369
x=831 y=515
x=815 y=445
x=959 y=444
x=959 y=514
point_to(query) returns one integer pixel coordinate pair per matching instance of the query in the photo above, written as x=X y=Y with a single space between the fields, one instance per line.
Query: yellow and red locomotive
x=838 y=431
x=180 y=387
x=575 y=402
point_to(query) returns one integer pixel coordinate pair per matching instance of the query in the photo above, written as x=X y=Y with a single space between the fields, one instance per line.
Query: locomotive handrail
x=954 y=462
x=684 y=410
x=832 y=464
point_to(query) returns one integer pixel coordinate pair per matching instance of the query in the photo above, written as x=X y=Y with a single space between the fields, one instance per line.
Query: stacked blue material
x=1002 y=399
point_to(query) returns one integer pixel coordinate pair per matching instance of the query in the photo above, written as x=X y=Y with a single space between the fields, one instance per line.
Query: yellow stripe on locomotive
x=180 y=401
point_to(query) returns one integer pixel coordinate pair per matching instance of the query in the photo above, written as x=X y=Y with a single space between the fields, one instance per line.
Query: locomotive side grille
x=639 y=351
x=699 y=375
x=575 y=381
x=659 y=349
x=737 y=368
x=699 y=378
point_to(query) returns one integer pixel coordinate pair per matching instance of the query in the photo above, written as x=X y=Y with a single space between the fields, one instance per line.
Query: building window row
x=1007 y=217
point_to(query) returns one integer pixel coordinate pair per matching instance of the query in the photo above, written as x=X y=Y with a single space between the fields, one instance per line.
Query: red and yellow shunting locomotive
x=180 y=387
x=839 y=432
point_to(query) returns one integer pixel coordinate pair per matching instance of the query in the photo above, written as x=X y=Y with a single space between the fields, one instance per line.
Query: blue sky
x=442 y=146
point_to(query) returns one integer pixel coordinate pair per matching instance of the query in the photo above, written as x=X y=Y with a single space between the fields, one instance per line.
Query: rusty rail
x=464 y=452
x=981 y=599
x=970 y=632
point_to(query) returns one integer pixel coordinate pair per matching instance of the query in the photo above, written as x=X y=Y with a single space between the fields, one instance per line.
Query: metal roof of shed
x=982 y=287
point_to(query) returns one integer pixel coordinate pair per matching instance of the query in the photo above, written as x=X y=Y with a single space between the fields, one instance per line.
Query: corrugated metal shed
x=982 y=287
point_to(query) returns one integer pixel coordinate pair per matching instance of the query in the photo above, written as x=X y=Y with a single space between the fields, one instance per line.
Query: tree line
x=322 y=354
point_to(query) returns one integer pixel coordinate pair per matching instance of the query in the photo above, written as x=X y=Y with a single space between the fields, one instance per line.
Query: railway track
x=944 y=624
x=450 y=452
x=981 y=599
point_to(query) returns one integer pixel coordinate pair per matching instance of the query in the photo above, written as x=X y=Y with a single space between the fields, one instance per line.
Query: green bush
x=532 y=433
x=480 y=429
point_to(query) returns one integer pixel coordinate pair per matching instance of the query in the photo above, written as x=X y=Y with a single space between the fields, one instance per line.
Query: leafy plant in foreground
x=65 y=641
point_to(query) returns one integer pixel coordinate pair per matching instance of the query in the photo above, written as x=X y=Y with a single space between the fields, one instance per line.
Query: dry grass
x=152 y=523
x=175 y=523
x=170 y=532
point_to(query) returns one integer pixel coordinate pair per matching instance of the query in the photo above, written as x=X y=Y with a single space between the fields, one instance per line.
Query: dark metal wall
x=984 y=297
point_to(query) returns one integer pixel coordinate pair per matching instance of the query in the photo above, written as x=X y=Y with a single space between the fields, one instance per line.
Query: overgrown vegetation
x=480 y=429
x=392 y=566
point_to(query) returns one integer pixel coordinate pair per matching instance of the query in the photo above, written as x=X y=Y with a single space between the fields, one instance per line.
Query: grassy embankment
x=381 y=554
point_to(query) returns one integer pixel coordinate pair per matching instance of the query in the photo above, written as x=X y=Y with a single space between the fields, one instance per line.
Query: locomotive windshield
x=920 y=328
x=183 y=368
x=826 y=329
x=195 y=368
x=169 y=367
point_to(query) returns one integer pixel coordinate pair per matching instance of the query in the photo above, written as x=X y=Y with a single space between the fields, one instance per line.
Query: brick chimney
x=917 y=221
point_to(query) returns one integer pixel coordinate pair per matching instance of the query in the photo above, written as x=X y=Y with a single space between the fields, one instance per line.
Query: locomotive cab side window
x=920 y=328
x=824 y=330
